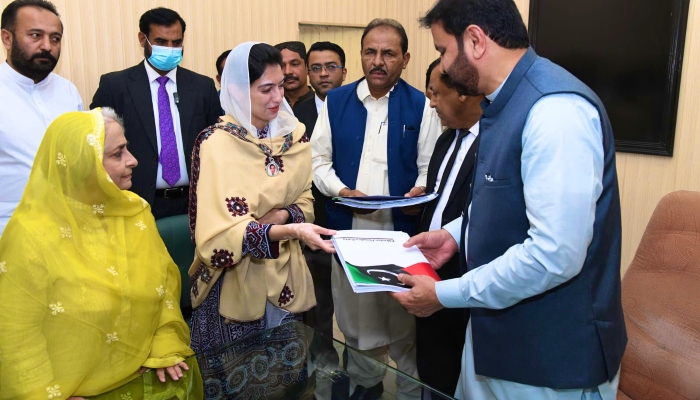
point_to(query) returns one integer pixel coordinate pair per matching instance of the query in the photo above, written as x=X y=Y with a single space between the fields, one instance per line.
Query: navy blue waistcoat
x=348 y=117
x=571 y=336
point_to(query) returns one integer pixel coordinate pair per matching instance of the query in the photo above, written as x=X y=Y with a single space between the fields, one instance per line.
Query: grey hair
x=109 y=114
x=377 y=22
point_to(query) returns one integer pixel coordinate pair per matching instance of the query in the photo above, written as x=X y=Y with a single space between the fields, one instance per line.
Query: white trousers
x=369 y=372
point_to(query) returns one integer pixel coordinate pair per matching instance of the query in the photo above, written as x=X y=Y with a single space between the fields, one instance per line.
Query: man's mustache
x=378 y=69
x=290 y=77
x=44 y=55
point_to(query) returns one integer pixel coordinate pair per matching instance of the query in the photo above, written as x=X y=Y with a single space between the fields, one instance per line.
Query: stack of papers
x=383 y=202
x=372 y=260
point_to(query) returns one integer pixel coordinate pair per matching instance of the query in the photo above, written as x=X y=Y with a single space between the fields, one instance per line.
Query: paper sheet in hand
x=383 y=202
x=372 y=260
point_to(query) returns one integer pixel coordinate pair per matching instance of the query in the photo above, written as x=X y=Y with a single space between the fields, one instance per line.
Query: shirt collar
x=491 y=97
x=474 y=130
x=21 y=79
x=319 y=103
x=363 y=90
x=153 y=75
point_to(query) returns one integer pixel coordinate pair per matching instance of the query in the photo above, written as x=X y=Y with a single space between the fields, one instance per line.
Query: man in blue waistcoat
x=540 y=238
x=374 y=137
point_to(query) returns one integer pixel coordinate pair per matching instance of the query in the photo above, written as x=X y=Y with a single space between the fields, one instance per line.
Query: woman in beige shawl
x=250 y=207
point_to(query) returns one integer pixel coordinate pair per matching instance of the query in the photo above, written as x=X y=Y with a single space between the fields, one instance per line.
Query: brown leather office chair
x=661 y=299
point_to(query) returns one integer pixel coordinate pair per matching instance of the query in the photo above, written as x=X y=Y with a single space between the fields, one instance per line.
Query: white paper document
x=372 y=260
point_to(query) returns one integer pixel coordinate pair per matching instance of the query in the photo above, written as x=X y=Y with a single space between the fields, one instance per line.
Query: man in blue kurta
x=374 y=137
x=540 y=239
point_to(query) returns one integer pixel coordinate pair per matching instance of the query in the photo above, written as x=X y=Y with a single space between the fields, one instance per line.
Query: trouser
x=439 y=345
x=473 y=386
x=364 y=372
x=162 y=207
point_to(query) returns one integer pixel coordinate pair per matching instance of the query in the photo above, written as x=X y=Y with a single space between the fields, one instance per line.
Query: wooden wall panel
x=101 y=37
x=645 y=179
x=348 y=38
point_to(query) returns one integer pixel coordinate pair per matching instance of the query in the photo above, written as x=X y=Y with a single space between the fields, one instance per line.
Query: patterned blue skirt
x=238 y=363
x=210 y=330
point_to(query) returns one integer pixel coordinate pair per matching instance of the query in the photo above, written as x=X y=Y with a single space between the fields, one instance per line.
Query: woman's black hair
x=261 y=56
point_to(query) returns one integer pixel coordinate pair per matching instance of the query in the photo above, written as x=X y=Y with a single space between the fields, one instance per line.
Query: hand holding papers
x=383 y=202
x=372 y=260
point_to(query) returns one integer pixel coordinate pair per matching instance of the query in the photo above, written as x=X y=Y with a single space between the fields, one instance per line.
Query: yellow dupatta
x=88 y=292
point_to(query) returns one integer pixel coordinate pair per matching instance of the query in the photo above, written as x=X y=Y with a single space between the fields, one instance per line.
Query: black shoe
x=363 y=393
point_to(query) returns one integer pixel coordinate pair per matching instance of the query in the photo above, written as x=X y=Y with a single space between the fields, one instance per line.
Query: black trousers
x=439 y=345
x=163 y=207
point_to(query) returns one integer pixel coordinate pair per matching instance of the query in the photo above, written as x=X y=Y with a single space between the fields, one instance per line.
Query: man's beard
x=464 y=75
x=26 y=65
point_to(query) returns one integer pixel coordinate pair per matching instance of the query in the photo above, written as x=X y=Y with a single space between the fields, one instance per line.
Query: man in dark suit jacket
x=440 y=337
x=326 y=63
x=164 y=108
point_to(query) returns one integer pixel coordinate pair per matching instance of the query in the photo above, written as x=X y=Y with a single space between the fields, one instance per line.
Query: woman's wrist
x=281 y=232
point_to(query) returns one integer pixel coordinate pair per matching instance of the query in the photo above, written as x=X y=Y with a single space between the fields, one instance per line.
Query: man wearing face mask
x=164 y=108
x=32 y=97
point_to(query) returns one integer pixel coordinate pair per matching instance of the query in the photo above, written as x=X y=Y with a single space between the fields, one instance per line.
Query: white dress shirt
x=170 y=87
x=26 y=110
x=464 y=146
x=371 y=319
x=374 y=158
x=319 y=104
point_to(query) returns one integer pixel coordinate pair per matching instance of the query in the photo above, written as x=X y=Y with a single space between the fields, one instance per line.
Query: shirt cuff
x=256 y=242
x=455 y=229
x=296 y=216
x=336 y=187
x=449 y=293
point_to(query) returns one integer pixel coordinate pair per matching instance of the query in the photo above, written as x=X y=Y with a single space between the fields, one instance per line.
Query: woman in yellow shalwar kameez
x=89 y=297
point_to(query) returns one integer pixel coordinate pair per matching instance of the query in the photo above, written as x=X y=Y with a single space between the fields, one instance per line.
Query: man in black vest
x=540 y=238
x=440 y=337
x=164 y=107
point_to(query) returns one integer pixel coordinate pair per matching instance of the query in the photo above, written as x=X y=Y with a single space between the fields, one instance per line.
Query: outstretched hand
x=437 y=246
x=311 y=235
x=175 y=371
x=421 y=300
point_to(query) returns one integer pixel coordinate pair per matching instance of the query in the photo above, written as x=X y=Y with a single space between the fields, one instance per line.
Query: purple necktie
x=168 y=145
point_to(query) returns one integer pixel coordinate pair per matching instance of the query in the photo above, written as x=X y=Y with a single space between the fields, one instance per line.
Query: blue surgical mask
x=165 y=58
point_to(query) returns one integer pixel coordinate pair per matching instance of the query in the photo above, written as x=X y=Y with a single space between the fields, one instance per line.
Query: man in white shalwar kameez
x=392 y=138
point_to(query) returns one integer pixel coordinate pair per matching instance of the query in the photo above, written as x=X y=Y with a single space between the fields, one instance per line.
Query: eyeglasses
x=316 y=69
